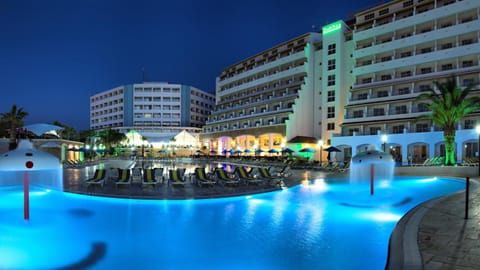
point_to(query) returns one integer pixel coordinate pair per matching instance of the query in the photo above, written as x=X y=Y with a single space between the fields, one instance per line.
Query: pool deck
x=433 y=235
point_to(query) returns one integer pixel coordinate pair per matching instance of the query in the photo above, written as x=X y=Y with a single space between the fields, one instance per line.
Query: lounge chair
x=149 y=178
x=272 y=180
x=123 y=177
x=226 y=178
x=97 y=179
x=283 y=172
x=246 y=177
x=204 y=179
x=175 y=178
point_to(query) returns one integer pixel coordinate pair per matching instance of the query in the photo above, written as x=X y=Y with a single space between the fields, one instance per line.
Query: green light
x=333 y=27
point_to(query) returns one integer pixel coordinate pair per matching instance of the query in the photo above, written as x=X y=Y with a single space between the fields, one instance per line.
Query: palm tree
x=13 y=120
x=109 y=137
x=68 y=133
x=449 y=104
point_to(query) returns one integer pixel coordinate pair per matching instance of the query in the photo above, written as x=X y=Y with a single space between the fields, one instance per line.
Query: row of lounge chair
x=239 y=176
x=177 y=177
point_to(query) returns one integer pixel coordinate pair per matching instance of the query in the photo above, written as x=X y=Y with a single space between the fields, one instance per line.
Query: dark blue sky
x=55 y=54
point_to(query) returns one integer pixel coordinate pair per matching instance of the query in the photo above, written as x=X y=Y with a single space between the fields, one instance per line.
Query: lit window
x=332 y=49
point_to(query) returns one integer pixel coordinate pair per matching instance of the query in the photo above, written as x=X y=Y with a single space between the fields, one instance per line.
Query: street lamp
x=320 y=145
x=384 y=140
x=478 y=153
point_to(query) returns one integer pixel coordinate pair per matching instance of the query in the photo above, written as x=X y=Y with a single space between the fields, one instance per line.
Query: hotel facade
x=157 y=111
x=354 y=84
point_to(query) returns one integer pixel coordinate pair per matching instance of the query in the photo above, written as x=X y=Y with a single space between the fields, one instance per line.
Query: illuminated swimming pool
x=317 y=225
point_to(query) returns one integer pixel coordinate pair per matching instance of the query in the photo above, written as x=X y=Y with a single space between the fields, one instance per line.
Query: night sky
x=55 y=54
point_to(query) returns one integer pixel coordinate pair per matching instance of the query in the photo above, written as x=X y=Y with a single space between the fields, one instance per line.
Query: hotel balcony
x=254 y=113
x=263 y=80
x=382 y=114
x=262 y=68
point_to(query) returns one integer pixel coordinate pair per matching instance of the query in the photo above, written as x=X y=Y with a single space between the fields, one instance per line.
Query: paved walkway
x=446 y=239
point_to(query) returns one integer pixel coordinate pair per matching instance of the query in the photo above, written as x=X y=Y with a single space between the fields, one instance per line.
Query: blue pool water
x=320 y=224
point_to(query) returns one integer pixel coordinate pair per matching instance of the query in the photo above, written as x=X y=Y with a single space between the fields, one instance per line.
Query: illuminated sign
x=333 y=27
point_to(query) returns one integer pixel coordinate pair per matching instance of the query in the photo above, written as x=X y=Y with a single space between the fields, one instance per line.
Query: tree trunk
x=13 y=139
x=449 y=139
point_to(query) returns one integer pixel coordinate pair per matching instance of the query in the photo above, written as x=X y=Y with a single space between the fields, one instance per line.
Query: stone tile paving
x=446 y=239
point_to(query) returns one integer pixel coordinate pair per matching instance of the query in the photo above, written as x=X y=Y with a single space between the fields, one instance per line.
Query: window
x=369 y=16
x=401 y=109
x=426 y=50
x=424 y=87
x=403 y=91
x=469 y=124
x=426 y=70
x=385 y=77
x=374 y=130
x=378 y=111
x=468 y=82
x=386 y=58
x=447 y=67
x=467 y=63
x=332 y=49
x=405 y=54
x=331 y=112
x=446 y=46
x=382 y=93
x=383 y=11
x=358 y=114
x=422 y=107
x=367 y=80
x=353 y=130
x=397 y=129
x=330 y=96
x=407 y=3
x=421 y=128
x=331 y=80
x=330 y=126
x=467 y=41
x=331 y=64
x=405 y=73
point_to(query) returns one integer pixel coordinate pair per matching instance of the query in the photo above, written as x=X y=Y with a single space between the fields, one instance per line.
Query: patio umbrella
x=40 y=129
x=258 y=151
x=213 y=152
x=273 y=151
x=237 y=152
x=332 y=149
x=199 y=152
x=287 y=151
x=308 y=150
x=248 y=151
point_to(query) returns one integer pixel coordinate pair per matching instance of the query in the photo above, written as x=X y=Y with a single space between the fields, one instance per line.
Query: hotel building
x=158 y=111
x=354 y=83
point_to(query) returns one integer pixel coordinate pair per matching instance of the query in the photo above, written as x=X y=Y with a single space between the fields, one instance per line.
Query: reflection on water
x=305 y=227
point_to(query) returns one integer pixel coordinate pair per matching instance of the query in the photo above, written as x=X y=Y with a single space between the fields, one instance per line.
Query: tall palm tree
x=13 y=120
x=449 y=104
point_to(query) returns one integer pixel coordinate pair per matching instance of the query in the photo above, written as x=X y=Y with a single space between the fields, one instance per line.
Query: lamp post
x=320 y=145
x=478 y=148
x=384 y=140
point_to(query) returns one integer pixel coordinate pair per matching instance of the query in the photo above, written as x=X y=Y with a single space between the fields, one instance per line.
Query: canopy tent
x=40 y=129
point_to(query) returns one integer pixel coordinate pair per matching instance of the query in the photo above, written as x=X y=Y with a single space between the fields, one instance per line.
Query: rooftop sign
x=333 y=27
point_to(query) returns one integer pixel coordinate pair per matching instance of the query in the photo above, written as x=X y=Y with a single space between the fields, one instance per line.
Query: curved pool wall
x=41 y=168
x=320 y=224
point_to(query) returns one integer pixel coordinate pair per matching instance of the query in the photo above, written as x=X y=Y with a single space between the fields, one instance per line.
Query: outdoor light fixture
x=384 y=140
x=478 y=148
